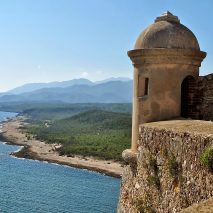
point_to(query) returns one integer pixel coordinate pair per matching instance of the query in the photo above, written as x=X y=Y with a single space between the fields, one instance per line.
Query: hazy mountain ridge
x=36 y=86
x=30 y=87
x=80 y=91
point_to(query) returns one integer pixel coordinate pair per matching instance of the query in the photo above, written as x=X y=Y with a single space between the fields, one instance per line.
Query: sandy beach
x=35 y=149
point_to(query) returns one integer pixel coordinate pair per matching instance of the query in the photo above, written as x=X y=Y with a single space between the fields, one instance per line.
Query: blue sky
x=56 y=40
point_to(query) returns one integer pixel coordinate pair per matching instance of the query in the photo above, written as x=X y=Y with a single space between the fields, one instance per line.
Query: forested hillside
x=99 y=130
x=93 y=133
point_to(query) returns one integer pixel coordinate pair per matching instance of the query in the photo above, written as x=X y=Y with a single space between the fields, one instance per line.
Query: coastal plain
x=35 y=149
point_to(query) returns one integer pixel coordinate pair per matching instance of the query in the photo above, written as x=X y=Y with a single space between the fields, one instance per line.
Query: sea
x=28 y=186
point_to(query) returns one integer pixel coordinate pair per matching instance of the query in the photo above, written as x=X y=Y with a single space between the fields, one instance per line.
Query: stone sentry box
x=166 y=60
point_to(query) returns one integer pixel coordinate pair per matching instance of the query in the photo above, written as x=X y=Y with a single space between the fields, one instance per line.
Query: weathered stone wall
x=169 y=174
x=205 y=93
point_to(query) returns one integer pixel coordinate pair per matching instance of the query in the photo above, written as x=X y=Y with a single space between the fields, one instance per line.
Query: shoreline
x=38 y=150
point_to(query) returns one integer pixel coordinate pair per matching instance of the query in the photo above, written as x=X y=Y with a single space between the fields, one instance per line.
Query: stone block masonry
x=170 y=174
x=205 y=93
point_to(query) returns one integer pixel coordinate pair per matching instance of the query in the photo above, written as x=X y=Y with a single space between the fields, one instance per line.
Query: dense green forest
x=59 y=110
x=99 y=130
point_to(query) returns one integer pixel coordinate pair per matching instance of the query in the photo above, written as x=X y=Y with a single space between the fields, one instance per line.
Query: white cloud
x=84 y=74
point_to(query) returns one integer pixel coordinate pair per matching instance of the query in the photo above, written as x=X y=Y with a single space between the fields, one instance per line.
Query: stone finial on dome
x=167 y=16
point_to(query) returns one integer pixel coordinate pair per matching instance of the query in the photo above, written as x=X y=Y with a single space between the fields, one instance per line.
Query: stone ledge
x=183 y=125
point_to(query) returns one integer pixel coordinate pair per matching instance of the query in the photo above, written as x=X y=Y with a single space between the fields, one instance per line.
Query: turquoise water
x=33 y=186
x=6 y=115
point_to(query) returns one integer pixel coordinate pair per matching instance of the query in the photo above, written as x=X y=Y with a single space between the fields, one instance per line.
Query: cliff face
x=205 y=93
x=173 y=168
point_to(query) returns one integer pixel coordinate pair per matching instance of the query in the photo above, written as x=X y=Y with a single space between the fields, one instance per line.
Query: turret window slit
x=146 y=88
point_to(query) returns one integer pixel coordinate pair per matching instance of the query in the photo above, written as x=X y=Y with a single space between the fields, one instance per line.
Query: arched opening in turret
x=188 y=98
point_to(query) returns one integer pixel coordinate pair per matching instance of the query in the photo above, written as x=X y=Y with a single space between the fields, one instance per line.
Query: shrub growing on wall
x=207 y=158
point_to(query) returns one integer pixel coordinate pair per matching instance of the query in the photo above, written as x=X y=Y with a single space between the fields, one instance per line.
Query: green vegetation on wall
x=153 y=179
x=173 y=166
x=207 y=158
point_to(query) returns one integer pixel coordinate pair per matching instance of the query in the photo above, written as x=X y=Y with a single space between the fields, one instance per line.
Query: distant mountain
x=108 y=92
x=35 y=86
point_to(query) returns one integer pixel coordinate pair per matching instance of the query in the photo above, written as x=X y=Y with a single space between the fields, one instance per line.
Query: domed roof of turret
x=167 y=32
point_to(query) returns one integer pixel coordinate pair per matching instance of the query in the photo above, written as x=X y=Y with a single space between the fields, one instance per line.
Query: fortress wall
x=205 y=92
x=169 y=174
